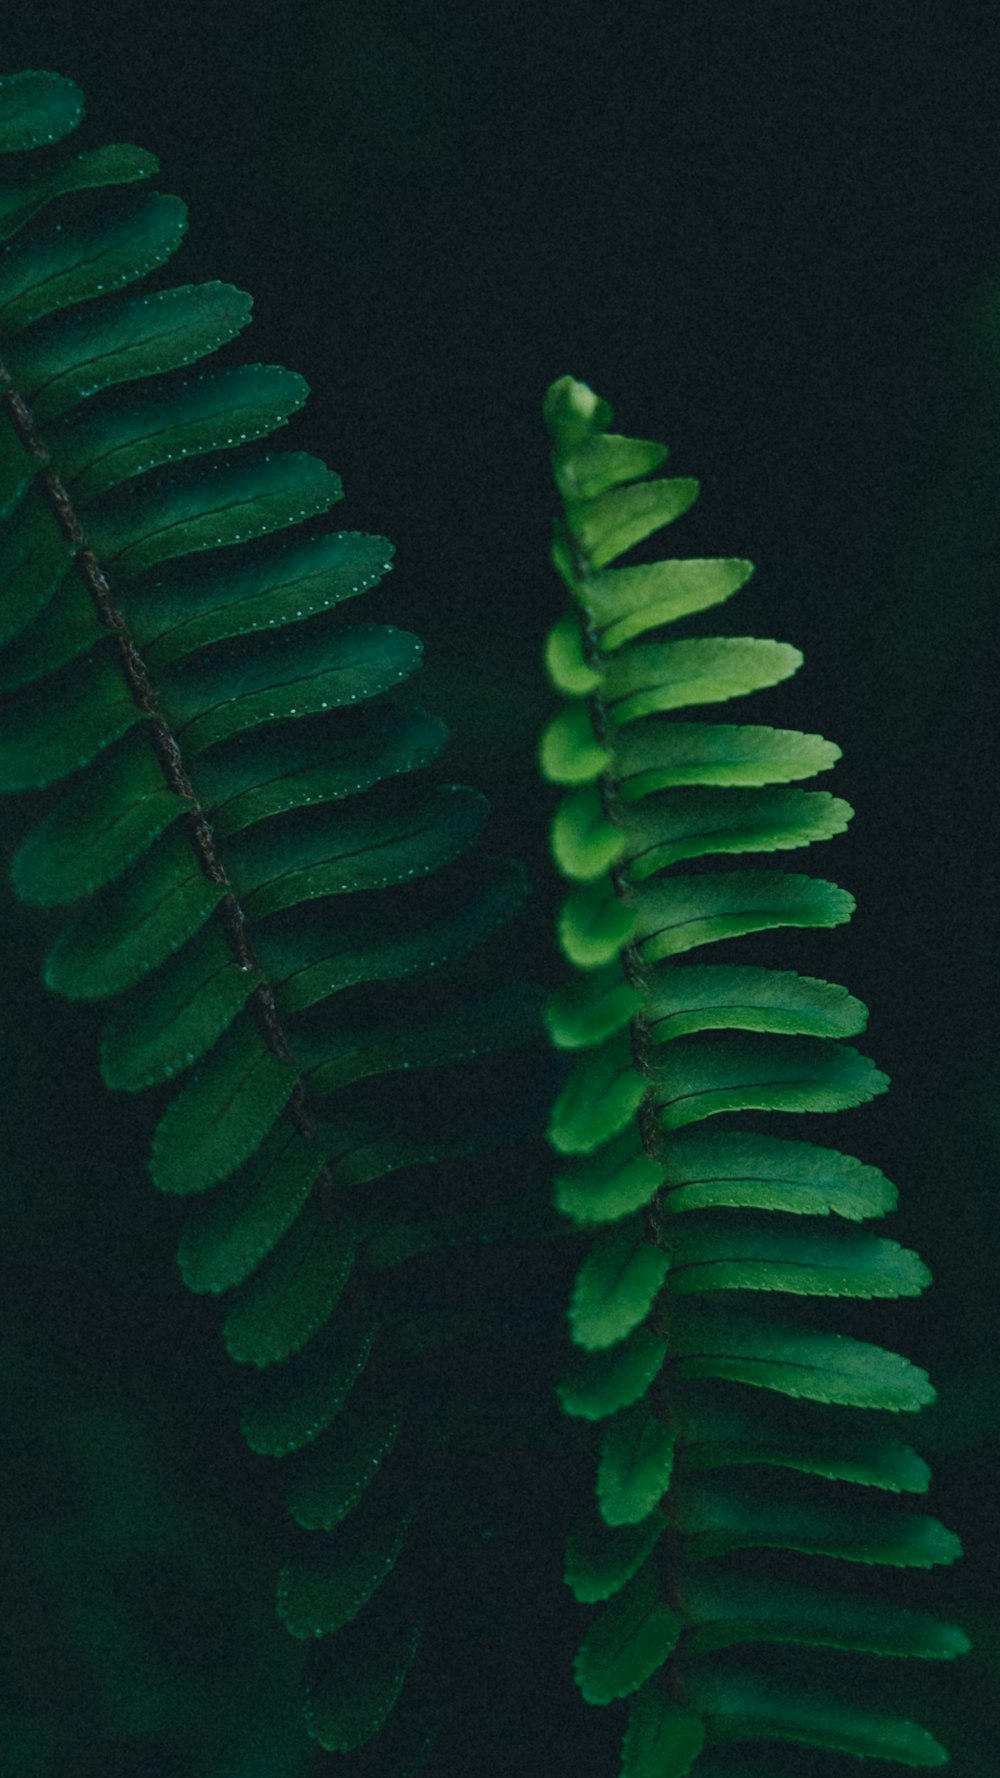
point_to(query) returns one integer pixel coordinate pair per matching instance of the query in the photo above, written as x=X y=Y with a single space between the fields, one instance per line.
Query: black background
x=768 y=233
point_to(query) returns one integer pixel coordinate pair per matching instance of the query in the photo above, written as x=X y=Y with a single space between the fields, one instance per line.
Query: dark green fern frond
x=726 y=1428
x=242 y=851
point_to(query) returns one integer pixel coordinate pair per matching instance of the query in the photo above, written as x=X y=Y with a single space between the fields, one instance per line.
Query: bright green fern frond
x=723 y=1428
x=271 y=905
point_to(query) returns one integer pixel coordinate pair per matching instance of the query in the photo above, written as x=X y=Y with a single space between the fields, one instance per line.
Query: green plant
x=701 y=1460
x=247 y=872
x=292 y=928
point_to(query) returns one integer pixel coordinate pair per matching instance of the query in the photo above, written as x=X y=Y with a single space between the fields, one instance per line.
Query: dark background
x=768 y=233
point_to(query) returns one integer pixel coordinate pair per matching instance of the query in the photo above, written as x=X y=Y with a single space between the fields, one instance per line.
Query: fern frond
x=691 y=1469
x=243 y=858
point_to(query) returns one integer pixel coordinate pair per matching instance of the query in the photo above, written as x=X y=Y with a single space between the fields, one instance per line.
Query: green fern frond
x=242 y=855
x=691 y=1469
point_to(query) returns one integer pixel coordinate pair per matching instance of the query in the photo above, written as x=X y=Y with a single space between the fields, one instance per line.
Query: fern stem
x=631 y=962
x=166 y=745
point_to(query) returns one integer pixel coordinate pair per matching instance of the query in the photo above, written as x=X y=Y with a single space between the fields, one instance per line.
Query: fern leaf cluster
x=273 y=906
x=286 y=920
x=726 y=1429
